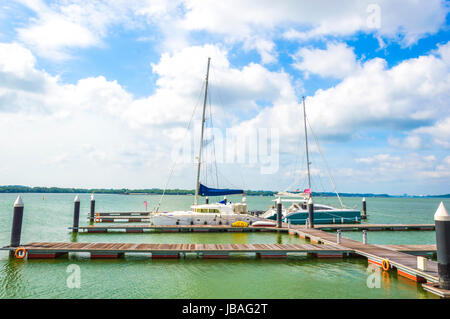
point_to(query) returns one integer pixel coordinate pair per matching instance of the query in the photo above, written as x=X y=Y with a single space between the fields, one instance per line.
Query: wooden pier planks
x=144 y=247
x=375 y=227
x=406 y=264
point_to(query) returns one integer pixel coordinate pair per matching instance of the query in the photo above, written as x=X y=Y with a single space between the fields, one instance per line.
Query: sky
x=110 y=93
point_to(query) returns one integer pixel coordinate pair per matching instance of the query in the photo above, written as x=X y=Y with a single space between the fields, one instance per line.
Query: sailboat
x=221 y=213
x=297 y=212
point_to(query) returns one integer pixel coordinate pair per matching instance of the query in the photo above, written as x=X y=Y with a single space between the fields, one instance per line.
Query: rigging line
x=325 y=162
x=213 y=141
x=297 y=173
x=298 y=151
x=175 y=162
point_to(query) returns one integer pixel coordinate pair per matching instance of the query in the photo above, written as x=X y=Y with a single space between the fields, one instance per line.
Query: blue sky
x=99 y=94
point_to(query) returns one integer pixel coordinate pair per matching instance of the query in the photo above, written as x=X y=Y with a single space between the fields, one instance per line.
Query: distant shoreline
x=158 y=191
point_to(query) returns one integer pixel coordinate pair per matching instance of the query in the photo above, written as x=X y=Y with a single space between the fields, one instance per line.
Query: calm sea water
x=48 y=216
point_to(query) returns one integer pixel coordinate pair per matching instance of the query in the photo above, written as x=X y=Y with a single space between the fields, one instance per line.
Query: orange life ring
x=385 y=265
x=20 y=253
x=97 y=219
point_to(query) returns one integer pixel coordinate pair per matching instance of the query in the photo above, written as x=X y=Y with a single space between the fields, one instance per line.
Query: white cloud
x=305 y=19
x=65 y=25
x=337 y=60
x=97 y=126
x=439 y=132
x=385 y=167
x=405 y=21
x=409 y=142
x=408 y=96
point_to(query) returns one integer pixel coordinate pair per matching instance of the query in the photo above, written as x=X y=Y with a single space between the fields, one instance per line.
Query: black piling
x=206 y=200
x=442 y=223
x=91 y=216
x=16 y=230
x=311 y=213
x=279 y=212
x=364 y=209
x=76 y=214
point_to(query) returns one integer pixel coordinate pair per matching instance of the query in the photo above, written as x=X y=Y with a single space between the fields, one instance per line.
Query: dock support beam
x=279 y=212
x=310 y=213
x=76 y=214
x=364 y=209
x=442 y=221
x=91 y=217
x=16 y=230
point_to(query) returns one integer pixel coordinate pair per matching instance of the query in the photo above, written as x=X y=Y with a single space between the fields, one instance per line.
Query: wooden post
x=364 y=209
x=279 y=212
x=76 y=214
x=311 y=213
x=206 y=200
x=442 y=222
x=91 y=218
x=16 y=230
x=338 y=237
x=364 y=237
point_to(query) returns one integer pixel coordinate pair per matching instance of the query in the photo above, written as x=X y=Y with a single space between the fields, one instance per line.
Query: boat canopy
x=206 y=191
x=291 y=194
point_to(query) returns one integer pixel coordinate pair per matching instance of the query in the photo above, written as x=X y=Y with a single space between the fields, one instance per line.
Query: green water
x=138 y=276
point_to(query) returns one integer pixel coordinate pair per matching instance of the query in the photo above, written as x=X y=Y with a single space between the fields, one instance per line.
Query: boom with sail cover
x=206 y=191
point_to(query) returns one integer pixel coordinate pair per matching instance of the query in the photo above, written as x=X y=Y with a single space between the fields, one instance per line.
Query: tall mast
x=201 y=137
x=306 y=144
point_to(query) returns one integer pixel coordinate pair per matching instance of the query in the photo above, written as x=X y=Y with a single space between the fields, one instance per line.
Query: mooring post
x=338 y=237
x=206 y=200
x=279 y=212
x=91 y=218
x=76 y=214
x=364 y=237
x=16 y=230
x=311 y=212
x=442 y=225
x=364 y=209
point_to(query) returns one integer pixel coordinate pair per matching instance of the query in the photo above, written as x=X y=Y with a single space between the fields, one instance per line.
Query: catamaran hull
x=335 y=217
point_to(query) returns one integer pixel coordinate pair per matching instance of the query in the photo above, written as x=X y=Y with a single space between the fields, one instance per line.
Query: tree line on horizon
x=158 y=191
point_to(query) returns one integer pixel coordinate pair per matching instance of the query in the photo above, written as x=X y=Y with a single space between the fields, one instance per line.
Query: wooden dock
x=374 y=227
x=216 y=228
x=102 y=214
x=115 y=250
x=405 y=264
x=121 y=219
x=175 y=228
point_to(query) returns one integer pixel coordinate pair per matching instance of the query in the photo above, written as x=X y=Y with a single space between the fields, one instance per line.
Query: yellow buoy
x=239 y=223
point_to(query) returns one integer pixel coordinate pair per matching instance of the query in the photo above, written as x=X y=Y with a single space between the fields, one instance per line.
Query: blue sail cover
x=206 y=191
